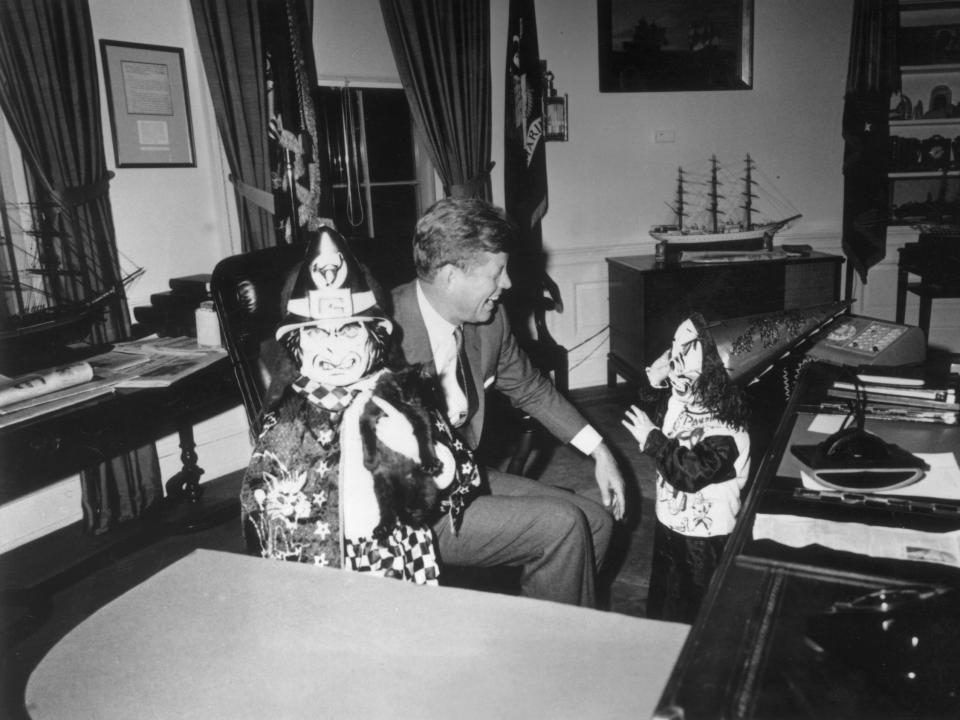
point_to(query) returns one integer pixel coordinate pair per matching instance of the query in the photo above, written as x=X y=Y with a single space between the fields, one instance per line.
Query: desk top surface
x=751 y=640
x=224 y=635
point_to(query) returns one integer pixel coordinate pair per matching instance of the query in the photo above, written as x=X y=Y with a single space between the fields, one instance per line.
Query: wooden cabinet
x=924 y=158
x=648 y=299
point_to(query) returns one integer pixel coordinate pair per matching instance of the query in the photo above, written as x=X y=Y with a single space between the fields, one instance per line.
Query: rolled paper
x=40 y=383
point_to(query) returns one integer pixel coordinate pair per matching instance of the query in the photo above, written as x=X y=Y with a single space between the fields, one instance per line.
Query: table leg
x=926 y=303
x=185 y=485
x=901 y=295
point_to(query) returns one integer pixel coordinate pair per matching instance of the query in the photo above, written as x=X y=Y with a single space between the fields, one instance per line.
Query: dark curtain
x=50 y=94
x=872 y=76
x=230 y=41
x=442 y=51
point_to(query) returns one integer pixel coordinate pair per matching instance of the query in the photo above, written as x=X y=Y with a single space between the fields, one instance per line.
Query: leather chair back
x=249 y=294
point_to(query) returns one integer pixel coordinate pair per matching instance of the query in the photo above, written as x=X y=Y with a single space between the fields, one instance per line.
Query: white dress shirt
x=444 y=349
x=443 y=346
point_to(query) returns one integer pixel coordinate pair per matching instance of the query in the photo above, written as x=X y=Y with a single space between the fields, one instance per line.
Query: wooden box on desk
x=648 y=299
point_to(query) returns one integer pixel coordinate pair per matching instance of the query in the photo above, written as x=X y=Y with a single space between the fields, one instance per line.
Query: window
x=18 y=248
x=381 y=180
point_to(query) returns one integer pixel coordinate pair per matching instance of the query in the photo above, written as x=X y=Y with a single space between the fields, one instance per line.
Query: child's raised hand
x=639 y=424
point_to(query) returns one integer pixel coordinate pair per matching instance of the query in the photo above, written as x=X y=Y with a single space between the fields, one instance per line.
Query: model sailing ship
x=35 y=310
x=715 y=220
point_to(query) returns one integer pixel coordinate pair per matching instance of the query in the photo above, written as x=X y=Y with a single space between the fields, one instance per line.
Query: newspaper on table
x=872 y=540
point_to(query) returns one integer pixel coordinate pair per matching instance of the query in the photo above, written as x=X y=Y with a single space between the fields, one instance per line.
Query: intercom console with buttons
x=855 y=340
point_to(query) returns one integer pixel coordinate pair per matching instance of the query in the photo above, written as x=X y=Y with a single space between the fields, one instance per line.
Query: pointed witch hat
x=330 y=288
x=749 y=346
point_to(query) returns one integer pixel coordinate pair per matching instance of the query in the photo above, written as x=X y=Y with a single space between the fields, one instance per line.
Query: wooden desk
x=220 y=635
x=648 y=299
x=749 y=653
x=55 y=445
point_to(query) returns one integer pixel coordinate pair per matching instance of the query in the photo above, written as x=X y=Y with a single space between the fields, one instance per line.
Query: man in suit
x=559 y=538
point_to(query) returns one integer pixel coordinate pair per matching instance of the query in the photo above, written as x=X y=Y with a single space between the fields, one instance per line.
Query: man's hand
x=610 y=481
x=639 y=424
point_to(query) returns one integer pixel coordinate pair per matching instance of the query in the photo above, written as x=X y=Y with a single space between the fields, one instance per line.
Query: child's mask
x=686 y=361
x=339 y=354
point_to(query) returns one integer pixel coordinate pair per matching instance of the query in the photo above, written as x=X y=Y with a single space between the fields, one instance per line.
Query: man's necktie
x=464 y=379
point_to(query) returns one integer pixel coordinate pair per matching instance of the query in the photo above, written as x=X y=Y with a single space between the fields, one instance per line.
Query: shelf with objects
x=924 y=148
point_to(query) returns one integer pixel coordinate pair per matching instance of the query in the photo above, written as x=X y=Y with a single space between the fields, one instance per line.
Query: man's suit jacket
x=495 y=360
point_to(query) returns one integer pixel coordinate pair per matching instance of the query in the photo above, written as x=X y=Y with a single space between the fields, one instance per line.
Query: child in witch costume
x=702 y=452
x=702 y=446
x=355 y=459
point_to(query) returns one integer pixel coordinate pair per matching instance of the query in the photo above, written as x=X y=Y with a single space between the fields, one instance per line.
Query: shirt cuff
x=586 y=440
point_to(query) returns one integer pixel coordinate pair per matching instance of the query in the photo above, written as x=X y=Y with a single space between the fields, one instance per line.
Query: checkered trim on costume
x=331 y=398
x=407 y=554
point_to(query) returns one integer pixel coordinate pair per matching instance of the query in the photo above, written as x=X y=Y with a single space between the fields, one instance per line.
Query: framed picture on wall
x=149 y=105
x=665 y=45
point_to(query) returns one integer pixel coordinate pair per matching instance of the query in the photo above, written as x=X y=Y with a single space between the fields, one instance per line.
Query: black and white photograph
x=480 y=359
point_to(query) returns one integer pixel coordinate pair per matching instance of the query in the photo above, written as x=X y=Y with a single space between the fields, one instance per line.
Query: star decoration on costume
x=320 y=498
x=868 y=127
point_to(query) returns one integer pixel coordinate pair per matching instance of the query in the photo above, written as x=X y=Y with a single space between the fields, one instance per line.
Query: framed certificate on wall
x=149 y=105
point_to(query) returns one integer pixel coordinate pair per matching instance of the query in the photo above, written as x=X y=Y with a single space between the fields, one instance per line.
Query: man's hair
x=453 y=231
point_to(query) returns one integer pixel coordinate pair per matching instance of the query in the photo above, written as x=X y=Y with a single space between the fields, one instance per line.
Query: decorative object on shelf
x=554 y=108
x=941 y=103
x=653 y=45
x=936 y=153
x=737 y=223
x=901 y=108
x=918 y=110
x=149 y=106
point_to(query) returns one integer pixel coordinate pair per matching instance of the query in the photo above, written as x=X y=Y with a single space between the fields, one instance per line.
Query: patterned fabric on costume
x=334 y=399
x=291 y=495
x=407 y=554
x=467 y=482
x=694 y=450
x=711 y=510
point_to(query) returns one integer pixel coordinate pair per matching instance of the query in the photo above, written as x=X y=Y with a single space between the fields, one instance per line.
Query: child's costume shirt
x=702 y=467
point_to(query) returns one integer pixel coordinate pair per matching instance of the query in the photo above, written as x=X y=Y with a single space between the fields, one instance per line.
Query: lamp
x=554 y=109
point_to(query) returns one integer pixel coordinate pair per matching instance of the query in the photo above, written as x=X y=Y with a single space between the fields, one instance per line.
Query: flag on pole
x=525 y=162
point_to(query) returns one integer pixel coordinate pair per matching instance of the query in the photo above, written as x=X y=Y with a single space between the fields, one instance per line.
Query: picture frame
x=149 y=105
x=675 y=45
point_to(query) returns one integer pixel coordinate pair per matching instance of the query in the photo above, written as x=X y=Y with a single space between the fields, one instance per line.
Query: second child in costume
x=355 y=460
x=701 y=446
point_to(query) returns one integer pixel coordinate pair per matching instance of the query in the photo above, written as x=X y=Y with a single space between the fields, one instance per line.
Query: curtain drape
x=231 y=46
x=442 y=51
x=872 y=75
x=49 y=92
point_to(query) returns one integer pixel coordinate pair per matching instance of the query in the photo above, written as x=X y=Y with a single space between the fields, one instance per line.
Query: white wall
x=609 y=183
